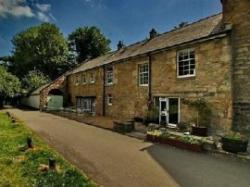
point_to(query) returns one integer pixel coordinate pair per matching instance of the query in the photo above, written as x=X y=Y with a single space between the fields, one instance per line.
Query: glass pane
x=173 y=110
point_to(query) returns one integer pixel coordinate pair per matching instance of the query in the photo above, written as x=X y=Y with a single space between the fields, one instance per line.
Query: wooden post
x=29 y=143
x=52 y=163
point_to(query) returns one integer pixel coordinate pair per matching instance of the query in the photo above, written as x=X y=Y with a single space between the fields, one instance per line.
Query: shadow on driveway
x=201 y=170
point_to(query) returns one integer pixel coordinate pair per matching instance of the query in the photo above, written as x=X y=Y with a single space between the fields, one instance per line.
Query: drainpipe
x=150 y=80
x=103 y=92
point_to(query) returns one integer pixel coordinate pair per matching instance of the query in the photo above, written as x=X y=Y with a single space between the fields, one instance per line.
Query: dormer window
x=186 y=63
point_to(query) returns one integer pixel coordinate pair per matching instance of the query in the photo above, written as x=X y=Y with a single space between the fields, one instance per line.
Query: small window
x=92 y=78
x=143 y=74
x=84 y=78
x=85 y=104
x=77 y=81
x=109 y=100
x=109 y=75
x=186 y=63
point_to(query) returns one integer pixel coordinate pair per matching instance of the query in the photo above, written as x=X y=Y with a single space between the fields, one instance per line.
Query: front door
x=169 y=111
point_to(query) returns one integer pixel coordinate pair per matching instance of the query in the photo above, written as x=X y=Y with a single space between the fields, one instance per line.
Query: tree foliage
x=9 y=84
x=6 y=61
x=41 y=48
x=88 y=42
x=34 y=79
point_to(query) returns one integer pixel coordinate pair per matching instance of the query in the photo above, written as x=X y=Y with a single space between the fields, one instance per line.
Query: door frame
x=166 y=99
x=161 y=100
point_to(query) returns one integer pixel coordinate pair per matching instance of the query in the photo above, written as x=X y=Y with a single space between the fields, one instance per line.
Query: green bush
x=204 y=112
x=152 y=115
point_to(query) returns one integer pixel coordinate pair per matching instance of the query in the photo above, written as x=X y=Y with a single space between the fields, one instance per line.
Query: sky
x=126 y=20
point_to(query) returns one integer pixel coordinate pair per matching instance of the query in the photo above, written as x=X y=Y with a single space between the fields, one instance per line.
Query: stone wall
x=212 y=81
x=237 y=12
x=87 y=89
x=129 y=99
x=59 y=84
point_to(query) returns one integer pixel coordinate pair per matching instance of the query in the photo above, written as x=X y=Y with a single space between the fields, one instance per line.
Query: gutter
x=103 y=92
x=150 y=78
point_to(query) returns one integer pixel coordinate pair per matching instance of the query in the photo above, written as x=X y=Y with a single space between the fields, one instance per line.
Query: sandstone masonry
x=208 y=59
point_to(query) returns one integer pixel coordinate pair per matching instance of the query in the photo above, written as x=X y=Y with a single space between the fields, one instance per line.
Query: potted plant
x=234 y=142
x=202 y=118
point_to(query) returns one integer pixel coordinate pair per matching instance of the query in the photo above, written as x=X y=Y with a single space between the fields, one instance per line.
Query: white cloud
x=43 y=7
x=43 y=17
x=15 y=8
x=22 y=11
x=21 y=8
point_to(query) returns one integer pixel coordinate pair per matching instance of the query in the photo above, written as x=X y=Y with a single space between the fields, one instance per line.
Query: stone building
x=207 y=60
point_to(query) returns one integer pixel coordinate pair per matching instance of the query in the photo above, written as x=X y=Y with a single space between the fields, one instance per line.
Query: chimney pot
x=120 y=45
x=153 y=33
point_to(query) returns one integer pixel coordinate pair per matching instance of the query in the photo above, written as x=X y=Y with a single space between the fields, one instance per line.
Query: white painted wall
x=31 y=101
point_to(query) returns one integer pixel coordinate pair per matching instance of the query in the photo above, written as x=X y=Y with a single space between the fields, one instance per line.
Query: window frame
x=143 y=74
x=189 y=50
x=109 y=100
x=109 y=75
x=84 y=104
x=77 y=81
x=92 y=78
x=84 y=79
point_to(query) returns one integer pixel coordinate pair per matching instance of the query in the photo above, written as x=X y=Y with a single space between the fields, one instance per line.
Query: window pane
x=143 y=74
x=186 y=63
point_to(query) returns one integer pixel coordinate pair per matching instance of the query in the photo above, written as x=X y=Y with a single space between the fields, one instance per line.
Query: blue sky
x=127 y=20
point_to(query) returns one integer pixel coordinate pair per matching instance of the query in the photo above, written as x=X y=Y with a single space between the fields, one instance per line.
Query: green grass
x=21 y=168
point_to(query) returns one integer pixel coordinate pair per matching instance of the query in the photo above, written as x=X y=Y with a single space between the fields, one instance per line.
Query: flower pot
x=199 y=131
x=234 y=146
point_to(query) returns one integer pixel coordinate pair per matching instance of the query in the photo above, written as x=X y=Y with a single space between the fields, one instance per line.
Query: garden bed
x=184 y=142
x=23 y=165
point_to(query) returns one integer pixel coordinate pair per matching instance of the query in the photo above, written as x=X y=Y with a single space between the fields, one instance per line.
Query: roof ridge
x=172 y=30
x=190 y=24
x=109 y=56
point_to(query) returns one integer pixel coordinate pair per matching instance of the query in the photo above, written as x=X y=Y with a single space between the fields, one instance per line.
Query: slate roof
x=201 y=29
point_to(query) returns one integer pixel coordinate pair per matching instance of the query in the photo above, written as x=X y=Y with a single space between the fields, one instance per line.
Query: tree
x=41 y=48
x=6 y=61
x=88 y=43
x=9 y=85
x=34 y=80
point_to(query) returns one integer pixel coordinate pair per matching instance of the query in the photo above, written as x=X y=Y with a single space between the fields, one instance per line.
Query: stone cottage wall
x=87 y=90
x=129 y=99
x=237 y=13
x=211 y=83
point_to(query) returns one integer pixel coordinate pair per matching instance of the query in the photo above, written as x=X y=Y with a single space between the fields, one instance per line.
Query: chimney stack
x=153 y=33
x=120 y=45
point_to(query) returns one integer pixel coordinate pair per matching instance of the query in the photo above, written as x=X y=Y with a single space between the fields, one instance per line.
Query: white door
x=163 y=111
x=169 y=111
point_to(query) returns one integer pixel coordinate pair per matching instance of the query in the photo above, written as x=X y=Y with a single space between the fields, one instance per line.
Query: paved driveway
x=116 y=160
x=109 y=158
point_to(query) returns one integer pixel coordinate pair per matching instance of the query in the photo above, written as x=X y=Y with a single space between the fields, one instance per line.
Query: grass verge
x=23 y=168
